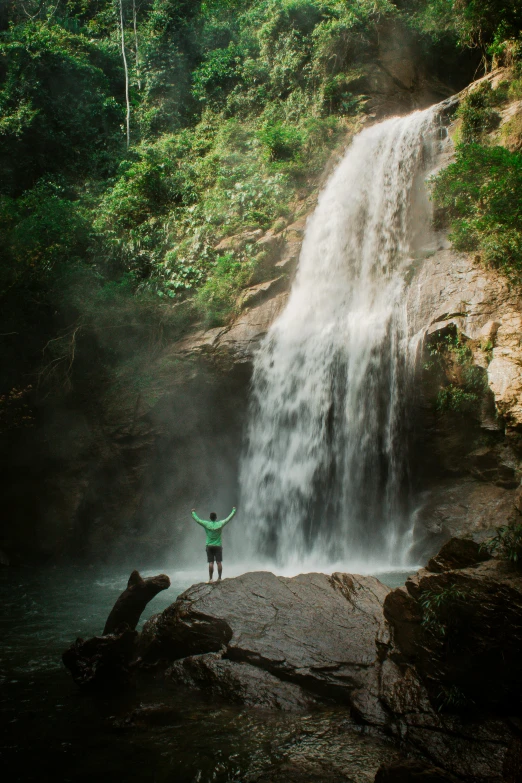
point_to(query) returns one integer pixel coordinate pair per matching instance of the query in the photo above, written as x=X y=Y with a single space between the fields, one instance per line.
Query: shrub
x=439 y=608
x=282 y=142
x=507 y=543
x=218 y=296
x=481 y=193
x=216 y=76
x=457 y=400
x=477 y=115
x=451 y=698
x=465 y=396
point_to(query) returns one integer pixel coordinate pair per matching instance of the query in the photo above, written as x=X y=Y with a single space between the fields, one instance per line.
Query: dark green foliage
x=57 y=106
x=283 y=142
x=481 y=193
x=474 y=23
x=439 y=608
x=507 y=543
x=457 y=400
x=235 y=107
x=452 y=356
x=216 y=76
x=41 y=229
x=451 y=698
x=218 y=296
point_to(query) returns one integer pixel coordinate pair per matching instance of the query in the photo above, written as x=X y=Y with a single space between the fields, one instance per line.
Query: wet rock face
x=239 y=682
x=462 y=629
x=302 y=773
x=458 y=553
x=451 y=678
x=460 y=508
x=319 y=632
x=411 y=771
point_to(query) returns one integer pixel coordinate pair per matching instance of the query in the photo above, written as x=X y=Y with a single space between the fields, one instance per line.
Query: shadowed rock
x=239 y=682
x=452 y=678
x=304 y=772
x=458 y=553
x=411 y=771
x=463 y=631
x=447 y=685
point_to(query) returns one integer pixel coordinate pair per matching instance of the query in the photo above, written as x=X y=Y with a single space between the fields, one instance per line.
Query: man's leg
x=210 y=571
x=220 y=570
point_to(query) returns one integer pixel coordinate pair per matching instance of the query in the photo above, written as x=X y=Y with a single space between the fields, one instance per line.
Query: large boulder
x=239 y=682
x=323 y=633
x=462 y=630
x=452 y=676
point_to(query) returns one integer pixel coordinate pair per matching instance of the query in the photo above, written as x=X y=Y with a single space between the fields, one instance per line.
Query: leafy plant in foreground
x=507 y=543
x=438 y=608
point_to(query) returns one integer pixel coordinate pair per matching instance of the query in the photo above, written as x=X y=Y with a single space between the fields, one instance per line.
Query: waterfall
x=324 y=477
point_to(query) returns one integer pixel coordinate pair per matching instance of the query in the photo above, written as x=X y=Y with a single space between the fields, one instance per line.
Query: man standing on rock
x=214 y=546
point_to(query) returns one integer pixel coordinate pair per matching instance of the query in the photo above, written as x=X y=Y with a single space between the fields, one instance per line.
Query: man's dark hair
x=213 y=517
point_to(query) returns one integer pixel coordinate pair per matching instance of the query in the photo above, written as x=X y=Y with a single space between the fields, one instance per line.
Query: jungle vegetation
x=136 y=134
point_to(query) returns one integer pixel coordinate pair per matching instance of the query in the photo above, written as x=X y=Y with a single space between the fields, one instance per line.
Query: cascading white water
x=324 y=477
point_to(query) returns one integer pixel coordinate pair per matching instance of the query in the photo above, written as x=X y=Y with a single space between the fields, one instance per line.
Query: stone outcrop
x=460 y=507
x=454 y=288
x=452 y=678
x=318 y=632
x=239 y=682
x=469 y=464
x=458 y=553
x=462 y=629
x=260 y=303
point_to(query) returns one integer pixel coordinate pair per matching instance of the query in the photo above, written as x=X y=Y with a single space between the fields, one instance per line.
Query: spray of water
x=324 y=478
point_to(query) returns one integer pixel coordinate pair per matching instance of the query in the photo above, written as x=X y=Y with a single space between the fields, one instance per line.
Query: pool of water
x=54 y=732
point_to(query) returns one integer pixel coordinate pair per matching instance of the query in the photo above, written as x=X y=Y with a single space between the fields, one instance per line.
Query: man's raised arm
x=198 y=520
x=234 y=509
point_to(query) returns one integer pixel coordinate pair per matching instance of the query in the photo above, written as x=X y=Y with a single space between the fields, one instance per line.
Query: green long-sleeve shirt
x=213 y=529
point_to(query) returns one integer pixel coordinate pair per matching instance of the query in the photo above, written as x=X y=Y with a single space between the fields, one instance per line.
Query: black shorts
x=215 y=553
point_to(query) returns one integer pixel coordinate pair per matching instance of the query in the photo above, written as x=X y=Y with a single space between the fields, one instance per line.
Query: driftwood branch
x=108 y=660
x=128 y=608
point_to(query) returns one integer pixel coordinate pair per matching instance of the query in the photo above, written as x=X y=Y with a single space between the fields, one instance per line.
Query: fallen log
x=103 y=661
x=107 y=660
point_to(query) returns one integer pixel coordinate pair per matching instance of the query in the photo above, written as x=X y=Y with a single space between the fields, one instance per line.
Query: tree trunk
x=136 y=48
x=123 y=54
